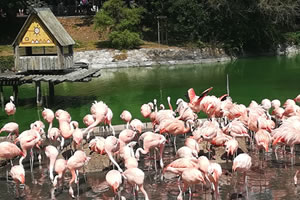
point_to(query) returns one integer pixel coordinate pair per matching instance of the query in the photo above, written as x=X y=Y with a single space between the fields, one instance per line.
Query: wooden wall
x=45 y=62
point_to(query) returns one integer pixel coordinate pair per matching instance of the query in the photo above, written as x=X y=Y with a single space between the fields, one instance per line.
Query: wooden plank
x=15 y=93
x=2 y=97
x=60 y=53
x=38 y=93
x=17 y=57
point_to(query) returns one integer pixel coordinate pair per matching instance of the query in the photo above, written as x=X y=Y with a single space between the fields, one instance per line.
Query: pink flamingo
x=10 y=107
x=263 y=139
x=177 y=127
x=146 y=109
x=190 y=176
x=88 y=120
x=52 y=153
x=179 y=165
x=152 y=141
x=60 y=168
x=53 y=133
x=214 y=173
x=231 y=147
x=97 y=145
x=135 y=177
x=99 y=111
x=242 y=163
x=74 y=163
x=17 y=173
x=29 y=139
x=297 y=99
x=186 y=152
x=10 y=127
x=137 y=125
x=112 y=145
x=114 y=180
x=126 y=136
x=126 y=117
x=195 y=100
x=107 y=120
x=77 y=135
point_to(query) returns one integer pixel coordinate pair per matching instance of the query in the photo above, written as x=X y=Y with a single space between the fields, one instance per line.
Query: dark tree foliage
x=235 y=24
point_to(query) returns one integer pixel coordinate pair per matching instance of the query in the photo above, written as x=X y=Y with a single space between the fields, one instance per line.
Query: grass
x=6 y=50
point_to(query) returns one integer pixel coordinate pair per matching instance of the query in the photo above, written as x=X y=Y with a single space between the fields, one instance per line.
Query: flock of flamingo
x=262 y=125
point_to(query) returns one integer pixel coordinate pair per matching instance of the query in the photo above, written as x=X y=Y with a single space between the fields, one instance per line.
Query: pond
x=128 y=88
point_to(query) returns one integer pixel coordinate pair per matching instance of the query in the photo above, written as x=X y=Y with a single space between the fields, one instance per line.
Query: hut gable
x=43 y=44
x=44 y=24
x=36 y=35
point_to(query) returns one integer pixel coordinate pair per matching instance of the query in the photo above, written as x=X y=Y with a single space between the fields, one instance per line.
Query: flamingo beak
x=22 y=179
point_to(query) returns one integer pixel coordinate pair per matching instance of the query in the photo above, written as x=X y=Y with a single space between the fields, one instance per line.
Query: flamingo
x=242 y=163
x=97 y=145
x=114 y=180
x=53 y=133
x=135 y=177
x=214 y=173
x=126 y=117
x=190 y=176
x=152 y=141
x=194 y=100
x=74 y=163
x=60 y=168
x=10 y=107
x=52 y=153
x=9 y=151
x=17 y=173
x=88 y=120
x=107 y=120
x=10 y=127
x=112 y=145
x=137 y=125
x=77 y=135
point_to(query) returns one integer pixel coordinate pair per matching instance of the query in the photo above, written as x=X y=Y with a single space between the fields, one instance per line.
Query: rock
x=151 y=56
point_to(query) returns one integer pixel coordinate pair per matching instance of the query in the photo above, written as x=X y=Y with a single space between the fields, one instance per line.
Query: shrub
x=292 y=37
x=124 y=39
x=6 y=63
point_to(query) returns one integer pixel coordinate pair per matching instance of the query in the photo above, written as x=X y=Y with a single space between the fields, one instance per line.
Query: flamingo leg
x=155 y=164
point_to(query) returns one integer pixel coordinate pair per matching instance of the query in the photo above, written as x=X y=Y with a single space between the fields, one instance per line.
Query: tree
x=121 y=21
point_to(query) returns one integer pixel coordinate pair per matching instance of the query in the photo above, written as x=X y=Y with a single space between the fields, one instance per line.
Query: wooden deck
x=75 y=74
x=72 y=75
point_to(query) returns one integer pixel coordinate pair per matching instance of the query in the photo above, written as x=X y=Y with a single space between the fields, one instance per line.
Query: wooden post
x=51 y=91
x=2 y=97
x=17 y=57
x=39 y=100
x=15 y=94
x=60 y=55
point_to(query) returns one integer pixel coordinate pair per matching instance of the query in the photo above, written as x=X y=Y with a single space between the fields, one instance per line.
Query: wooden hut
x=43 y=44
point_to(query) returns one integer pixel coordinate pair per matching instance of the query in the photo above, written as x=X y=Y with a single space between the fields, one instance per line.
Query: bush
x=292 y=37
x=6 y=63
x=124 y=39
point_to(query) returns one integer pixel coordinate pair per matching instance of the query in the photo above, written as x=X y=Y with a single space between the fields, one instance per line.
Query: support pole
x=51 y=91
x=15 y=94
x=2 y=97
x=39 y=100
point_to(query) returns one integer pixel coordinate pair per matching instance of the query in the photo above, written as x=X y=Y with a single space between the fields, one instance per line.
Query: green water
x=128 y=88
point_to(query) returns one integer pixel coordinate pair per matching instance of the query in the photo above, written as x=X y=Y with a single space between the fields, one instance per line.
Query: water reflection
x=267 y=179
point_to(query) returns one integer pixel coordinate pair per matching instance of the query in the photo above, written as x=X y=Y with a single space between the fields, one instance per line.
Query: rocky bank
x=150 y=57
